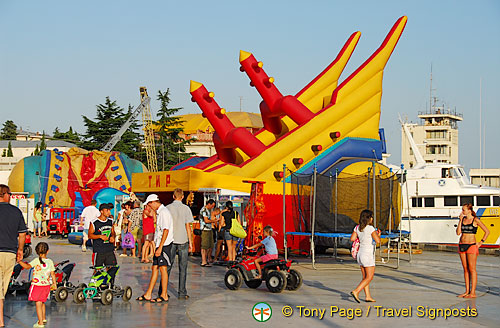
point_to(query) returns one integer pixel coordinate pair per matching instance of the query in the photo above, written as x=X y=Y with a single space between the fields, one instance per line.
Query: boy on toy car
x=102 y=234
x=271 y=249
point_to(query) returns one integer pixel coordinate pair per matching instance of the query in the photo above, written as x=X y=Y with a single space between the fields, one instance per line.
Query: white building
x=22 y=149
x=436 y=137
x=485 y=177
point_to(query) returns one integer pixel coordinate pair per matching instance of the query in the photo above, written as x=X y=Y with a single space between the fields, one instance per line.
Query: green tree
x=43 y=143
x=9 y=151
x=109 y=119
x=4 y=153
x=9 y=131
x=171 y=148
x=69 y=136
x=37 y=150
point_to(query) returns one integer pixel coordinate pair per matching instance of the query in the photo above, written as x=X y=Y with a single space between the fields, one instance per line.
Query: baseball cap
x=105 y=206
x=152 y=198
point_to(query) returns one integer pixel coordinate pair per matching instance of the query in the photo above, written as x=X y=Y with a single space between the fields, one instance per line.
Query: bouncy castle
x=75 y=177
x=325 y=127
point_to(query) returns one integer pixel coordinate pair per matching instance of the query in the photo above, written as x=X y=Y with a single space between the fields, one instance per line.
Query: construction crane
x=147 y=124
x=118 y=135
x=149 y=138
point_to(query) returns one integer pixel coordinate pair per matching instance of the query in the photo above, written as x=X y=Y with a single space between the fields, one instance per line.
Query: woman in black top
x=229 y=214
x=468 y=248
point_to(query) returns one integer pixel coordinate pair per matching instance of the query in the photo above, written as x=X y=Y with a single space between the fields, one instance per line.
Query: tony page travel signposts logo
x=262 y=312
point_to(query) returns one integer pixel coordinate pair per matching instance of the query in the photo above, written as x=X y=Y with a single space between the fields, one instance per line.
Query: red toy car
x=60 y=221
x=276 y=273
x=27 y=246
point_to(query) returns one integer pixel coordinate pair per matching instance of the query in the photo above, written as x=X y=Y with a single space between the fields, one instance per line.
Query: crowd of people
x=163 y=232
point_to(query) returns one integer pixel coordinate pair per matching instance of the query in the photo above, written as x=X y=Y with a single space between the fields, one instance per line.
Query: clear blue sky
x=59 y=59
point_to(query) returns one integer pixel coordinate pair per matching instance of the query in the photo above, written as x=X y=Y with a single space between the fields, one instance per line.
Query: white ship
x=433 y=195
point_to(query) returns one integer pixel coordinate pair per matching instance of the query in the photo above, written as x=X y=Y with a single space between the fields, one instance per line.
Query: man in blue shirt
x=12 y=235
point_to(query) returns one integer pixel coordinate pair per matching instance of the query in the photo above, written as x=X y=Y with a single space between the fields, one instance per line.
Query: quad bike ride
x=16 y=284
x=102 y=287
x=277 y=274
x=27 y=246
x=63 y=272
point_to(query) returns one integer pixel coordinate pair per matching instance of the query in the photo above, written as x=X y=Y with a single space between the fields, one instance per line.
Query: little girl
x=271 y=249
x=43 y=271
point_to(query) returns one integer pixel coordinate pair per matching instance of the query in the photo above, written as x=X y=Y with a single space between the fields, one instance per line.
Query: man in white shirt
x=164 y=237
x=89 y=214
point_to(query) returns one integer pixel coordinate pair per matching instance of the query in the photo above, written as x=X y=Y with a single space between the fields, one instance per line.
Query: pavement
x=418 y=294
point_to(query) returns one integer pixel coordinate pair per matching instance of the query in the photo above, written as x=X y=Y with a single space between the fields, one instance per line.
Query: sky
x=59 y=59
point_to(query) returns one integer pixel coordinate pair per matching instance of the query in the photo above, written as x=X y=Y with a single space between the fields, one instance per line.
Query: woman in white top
x=367 y=235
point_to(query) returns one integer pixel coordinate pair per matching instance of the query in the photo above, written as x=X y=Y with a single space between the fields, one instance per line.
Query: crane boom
x=149 y=138
x=118 y=135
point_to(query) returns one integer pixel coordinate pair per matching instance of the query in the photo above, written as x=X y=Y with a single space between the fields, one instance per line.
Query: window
x=483 y=200
x=435 y=149
x=429 y=201
x=450 y=201
x=436 y=134
x=496 y=200
x=466 y=200
x=416 y=202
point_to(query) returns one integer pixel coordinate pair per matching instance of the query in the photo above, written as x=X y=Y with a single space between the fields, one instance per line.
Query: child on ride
x=271 y=249
x=41 y=284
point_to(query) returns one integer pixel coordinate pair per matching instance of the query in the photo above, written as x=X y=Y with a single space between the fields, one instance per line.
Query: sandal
x=142 y=299
x=159 y=300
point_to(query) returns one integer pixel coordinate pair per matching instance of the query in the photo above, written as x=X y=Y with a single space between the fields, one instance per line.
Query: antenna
x=480 y=129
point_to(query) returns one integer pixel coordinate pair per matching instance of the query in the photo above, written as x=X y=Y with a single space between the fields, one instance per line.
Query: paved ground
x=431 y=281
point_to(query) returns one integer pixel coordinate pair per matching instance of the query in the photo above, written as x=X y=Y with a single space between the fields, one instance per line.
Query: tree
x=69 y=136
x=37 y=150
x=171 y=148
x=4 y=153
x=9 y=151
x=109 y=119
x=9 y=131
x=43 y=143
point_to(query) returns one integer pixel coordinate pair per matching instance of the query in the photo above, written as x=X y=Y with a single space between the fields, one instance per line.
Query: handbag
x=237 y=229
x=355 y=247
x=128 y=240
x=197 y=232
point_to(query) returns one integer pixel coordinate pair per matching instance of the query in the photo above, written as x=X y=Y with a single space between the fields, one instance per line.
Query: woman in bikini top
x=469 y=248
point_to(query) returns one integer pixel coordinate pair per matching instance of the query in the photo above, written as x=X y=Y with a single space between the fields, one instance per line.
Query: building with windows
x=485 y=177
x=436 y=137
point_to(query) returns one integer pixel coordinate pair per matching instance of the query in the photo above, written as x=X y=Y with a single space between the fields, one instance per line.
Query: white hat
x=152 y=198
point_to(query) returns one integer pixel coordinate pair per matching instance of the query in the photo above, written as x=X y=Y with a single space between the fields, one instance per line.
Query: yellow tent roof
x=195 y=122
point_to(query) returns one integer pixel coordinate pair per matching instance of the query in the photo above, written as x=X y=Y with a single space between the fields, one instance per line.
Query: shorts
x=38 y=225
x=165 y=258
x=220 y=234
x=135 y=233
x=85 y=233
x=473 y=249
x=150 y=237
x=139 y=236
x=7 y=263
x=104 y=259
x=268 y=257
x=207 y=239
x=228 y=236
x=39 y=293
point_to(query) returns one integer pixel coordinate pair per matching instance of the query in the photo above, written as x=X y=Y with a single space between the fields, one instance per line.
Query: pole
x=374 y=196
x=409 y=215
x=313 y=218
x=336 y=207
x=284 y=214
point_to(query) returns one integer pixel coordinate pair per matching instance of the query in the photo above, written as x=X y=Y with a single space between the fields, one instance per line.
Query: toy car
x=60 y=221
x=16 y=284
x=102 y=287
x=63 y=272
x=276 y=273
x=27 y=246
